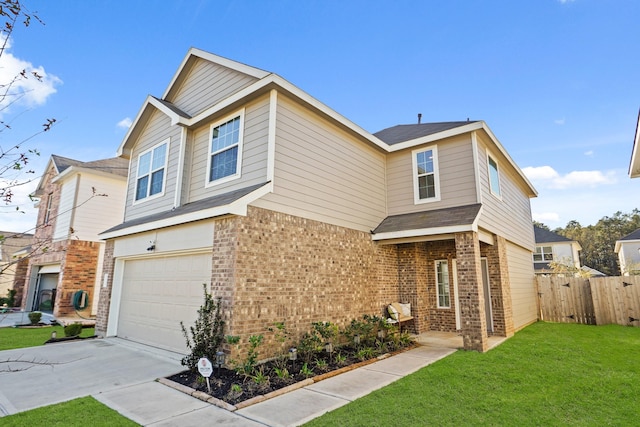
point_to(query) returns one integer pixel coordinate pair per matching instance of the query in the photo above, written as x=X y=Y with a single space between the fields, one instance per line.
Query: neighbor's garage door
x=158 y=293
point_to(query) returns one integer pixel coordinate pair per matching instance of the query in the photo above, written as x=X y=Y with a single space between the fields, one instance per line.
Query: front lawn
x=547 y=374
x=85 y=411
x=11 y=338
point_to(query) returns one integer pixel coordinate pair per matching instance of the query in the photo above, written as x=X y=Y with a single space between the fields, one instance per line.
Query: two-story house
x=628 y=250
x=77 y=200
x=552 y=247
x=10 y=265
x=291 y=212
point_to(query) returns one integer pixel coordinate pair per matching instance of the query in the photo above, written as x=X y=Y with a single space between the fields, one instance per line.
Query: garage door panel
x=159 y=293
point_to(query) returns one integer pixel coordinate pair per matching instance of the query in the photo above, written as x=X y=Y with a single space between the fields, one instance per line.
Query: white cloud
x=124 y=123
x=566 y=1
x=24 y=218
x=547 y=177
x=545 y=217
x=29 y=91
x=559 y=121
x=589 y=153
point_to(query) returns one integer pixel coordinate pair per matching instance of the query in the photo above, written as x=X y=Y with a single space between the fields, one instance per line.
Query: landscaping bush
x=73 y=330
x=35 y=317
x=206 y=336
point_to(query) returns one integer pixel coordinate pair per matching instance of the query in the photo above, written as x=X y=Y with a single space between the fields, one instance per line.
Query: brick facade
x=106 y=286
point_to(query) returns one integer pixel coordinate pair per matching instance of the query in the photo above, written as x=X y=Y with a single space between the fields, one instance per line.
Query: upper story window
x=47 y=213
x=543 y=254
x=426 y=183
x=442 y=277
x=225 y=149
x=494 y=176
x=151 y=171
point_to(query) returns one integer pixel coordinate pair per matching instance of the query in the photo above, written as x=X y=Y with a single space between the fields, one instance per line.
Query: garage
x=157 y=294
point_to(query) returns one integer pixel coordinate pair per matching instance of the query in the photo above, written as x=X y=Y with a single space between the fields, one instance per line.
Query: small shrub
x=247 y=367
x=306 y=371
x=321 y=364
x=73 y=330
x=207 y=334
x=282 y=373
x=365 y=353
x=35 y=317
x=260 y=377
x=341 y=359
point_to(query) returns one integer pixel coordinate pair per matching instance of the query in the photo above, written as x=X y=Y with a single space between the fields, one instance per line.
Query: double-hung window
x=426 y=183
x=543 y=254
x=442 y=279
x=225 y=150
x=494 y=177
x=151 y=171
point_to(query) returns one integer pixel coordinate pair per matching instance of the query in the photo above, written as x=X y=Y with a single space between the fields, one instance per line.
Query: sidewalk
x=153 y=404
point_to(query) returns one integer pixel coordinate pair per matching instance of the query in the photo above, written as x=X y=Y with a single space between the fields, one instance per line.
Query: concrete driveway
x=38 y=376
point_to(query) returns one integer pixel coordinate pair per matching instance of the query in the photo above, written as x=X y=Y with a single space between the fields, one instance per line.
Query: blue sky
x=556 y=80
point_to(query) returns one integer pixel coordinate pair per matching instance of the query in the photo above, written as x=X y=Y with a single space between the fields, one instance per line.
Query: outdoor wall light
x=293 y=354
x=152 y=246
x=220 y=356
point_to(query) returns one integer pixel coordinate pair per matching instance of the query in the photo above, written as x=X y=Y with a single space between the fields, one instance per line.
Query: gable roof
x=397 y=138
x=634 y=164
x=543 y=235
x=402 y=133
x=425 y=223
x=635 y=235
x=62 y=165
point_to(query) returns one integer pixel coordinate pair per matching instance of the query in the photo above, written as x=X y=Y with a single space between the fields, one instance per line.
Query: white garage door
x=158 y=293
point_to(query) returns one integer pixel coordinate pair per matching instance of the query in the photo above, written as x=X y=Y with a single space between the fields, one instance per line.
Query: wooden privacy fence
x=594 y=301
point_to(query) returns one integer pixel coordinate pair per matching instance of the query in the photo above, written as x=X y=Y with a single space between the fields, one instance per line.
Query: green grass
x=11 y=338
x=546 y=375
x=85 y=411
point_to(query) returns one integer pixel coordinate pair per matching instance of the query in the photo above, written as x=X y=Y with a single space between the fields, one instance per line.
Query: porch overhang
x=438 y=224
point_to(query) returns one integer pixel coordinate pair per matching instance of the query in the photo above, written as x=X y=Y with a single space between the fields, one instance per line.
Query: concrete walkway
x=122 y=375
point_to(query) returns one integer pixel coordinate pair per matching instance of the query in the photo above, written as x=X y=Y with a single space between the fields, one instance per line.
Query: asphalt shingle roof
x=211 y=202
x=114 y=165
x=632 y=236
x=402 y=133
x=546 y=236
x=448 y=217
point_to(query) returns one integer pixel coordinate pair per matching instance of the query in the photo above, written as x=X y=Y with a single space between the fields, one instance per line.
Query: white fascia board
x=425 y=232
x=437 y=136
x=40 y=185
x=239 y=207
x=73 y=170
x=513 y=164
x=634 y=164
x=121 y=150
x=619 y=244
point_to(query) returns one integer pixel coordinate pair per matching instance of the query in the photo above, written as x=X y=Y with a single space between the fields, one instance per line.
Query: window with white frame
x=543 y=254
x=225 y=150
x=494 y=176
x=151 y=171
x=442 y=279
x=425 y=175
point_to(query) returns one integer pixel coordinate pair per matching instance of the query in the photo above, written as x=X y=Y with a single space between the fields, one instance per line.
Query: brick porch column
x=472 y=311
x=500 y=289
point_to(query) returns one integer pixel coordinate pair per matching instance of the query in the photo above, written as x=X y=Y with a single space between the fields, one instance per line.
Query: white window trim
x=543 y=254
x=446 y=262
x=414 y=162
x=498 y=195
x=238 y=173
x=47 y=213
x=164 y=178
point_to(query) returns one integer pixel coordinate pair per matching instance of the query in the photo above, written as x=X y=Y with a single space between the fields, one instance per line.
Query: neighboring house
x=77 y=200
x=634 y=165
x=10 y=243
x=550 y=247
x=628 y=250
x=290 y=212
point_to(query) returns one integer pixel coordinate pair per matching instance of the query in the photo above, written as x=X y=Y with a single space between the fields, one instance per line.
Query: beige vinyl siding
x=65 y=210
x=254 y=153
x=208 y=84
x=99 y=212
x=524 y=298
x=157 y=130
x=323 y=173
x=456 y=174
x=510 y=215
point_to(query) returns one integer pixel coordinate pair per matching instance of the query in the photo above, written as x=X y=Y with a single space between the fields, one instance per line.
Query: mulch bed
x=247 y=389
